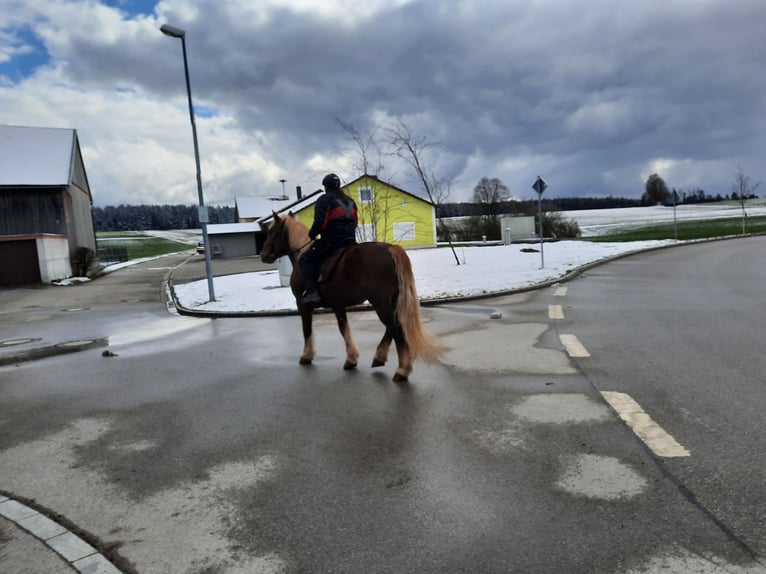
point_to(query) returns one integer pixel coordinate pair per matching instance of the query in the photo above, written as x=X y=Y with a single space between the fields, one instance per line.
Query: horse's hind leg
x=308 y=353
x=405 y=357
x=386 y=315
x=352 y=351
x=381 y=353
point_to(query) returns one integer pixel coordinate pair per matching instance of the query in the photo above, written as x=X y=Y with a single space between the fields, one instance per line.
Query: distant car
x=201 y=247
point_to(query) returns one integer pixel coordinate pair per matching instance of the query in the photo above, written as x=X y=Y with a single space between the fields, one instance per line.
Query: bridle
x=298 y=250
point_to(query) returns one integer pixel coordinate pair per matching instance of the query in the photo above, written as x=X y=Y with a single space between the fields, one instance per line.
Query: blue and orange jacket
x=335 y=218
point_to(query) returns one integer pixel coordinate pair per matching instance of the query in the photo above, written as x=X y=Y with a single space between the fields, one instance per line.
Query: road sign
x=539 y=185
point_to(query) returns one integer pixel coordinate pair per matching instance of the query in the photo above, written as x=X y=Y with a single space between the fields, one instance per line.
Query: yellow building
x=386 y=213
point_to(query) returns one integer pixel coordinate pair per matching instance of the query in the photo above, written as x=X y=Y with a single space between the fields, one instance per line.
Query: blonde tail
x=422 y=344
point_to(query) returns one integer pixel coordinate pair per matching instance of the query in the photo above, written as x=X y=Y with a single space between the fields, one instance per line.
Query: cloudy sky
x=593 y=95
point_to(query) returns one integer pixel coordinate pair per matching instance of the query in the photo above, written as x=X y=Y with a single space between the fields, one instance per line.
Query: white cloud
x=587 y=96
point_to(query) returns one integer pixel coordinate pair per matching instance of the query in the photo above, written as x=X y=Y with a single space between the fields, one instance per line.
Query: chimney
x=298 y=192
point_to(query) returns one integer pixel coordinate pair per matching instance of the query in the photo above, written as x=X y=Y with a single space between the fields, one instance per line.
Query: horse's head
x=276 y=244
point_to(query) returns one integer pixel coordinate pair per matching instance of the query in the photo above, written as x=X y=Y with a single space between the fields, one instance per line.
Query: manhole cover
x=12 y=342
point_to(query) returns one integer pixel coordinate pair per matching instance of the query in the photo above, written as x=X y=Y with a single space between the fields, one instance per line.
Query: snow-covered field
x=594 y=222
x=488 y=269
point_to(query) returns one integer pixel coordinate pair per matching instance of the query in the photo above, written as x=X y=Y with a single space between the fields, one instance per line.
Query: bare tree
x=368 y=160
x=743 y=189
x=413 y=149
x=491 y=193
x=656 y=190
x=367 y=149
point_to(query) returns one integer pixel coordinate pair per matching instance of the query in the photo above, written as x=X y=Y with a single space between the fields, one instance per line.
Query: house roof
x=294 y=206
x=389 y=184
x=255 y=207
x=36 y=156
x=227 y=228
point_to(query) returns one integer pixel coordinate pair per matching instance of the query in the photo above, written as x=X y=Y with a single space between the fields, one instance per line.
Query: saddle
x=329 y=263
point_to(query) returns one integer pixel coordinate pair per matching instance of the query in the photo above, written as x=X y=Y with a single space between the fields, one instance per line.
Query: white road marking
x=655 y=437
x=573 y=346
x=555 y=312
x=560 y=291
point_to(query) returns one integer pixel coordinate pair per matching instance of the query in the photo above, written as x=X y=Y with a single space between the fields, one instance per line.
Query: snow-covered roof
x=294 y=206
x=256 y=207
x=225 y=228
x=36 y=156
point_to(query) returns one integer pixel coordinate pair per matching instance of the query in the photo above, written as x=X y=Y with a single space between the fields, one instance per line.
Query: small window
x=404 y=231
x=366 y=195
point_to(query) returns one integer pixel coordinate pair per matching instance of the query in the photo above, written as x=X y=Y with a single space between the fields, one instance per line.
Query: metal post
x=540 y=227
x=675 y=223
x=540 y=186
x=203 y=217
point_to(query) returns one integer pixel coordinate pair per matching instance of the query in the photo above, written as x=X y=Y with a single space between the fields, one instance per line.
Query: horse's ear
x=274 y=213
x=291 y=214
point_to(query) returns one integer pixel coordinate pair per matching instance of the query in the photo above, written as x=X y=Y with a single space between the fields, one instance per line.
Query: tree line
x=166 y=217
x=159 y=217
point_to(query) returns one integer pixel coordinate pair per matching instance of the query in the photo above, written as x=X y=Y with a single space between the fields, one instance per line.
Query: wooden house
x=46 y=221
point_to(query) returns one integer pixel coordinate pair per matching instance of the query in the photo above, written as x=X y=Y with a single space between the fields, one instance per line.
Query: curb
x=52 y=350
x=433 y=302
x=61 y=539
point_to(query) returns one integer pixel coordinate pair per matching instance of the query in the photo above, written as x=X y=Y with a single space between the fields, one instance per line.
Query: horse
x=376 y=272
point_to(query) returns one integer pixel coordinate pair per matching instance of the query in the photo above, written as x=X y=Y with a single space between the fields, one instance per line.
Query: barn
x=46 y=222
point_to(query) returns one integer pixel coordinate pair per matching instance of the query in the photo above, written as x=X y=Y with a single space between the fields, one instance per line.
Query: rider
x=335 y=222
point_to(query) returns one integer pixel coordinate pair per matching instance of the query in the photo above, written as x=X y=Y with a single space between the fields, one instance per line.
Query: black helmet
x=331 y=181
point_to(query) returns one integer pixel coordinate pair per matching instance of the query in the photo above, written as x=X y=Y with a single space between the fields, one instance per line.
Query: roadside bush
x=556 y=226
x=81 y=261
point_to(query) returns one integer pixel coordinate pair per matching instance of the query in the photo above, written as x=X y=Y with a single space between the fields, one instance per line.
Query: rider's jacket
x=335 y=218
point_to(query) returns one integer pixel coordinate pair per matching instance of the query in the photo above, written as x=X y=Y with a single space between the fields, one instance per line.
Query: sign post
x=540 y=186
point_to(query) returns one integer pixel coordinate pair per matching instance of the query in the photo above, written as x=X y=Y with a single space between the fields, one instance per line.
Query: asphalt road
x=200 y=445
x=682 y=332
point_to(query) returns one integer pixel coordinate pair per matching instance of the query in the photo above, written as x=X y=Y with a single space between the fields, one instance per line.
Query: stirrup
x=311 y=297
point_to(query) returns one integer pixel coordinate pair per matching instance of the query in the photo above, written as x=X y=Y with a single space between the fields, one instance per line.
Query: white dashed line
x=560 y=291
x=555 y=312
x=661 y=443
x=573 y=346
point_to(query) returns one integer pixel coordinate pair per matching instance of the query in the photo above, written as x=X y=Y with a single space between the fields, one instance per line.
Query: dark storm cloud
x=590 y=93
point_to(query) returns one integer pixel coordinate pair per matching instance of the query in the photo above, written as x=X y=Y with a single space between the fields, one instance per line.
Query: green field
x=695 y=229
x=127 y=245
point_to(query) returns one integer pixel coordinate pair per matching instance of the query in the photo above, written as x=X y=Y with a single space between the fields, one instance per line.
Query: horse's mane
x=297 y=233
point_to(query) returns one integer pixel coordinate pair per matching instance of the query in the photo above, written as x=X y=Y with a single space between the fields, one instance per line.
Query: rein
x=298 y=250
x=292 y=253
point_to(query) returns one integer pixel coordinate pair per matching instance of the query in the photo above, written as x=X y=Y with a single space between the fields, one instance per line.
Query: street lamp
x=174 y=32
x=284 y=196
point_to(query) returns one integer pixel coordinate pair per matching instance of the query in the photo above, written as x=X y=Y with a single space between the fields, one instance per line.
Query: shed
x=233 y=239
x=46 y=222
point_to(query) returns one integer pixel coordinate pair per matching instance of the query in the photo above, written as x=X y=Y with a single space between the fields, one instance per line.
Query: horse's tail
x=422 y=344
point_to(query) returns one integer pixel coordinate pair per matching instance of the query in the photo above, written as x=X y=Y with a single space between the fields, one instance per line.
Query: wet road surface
x=200 y=445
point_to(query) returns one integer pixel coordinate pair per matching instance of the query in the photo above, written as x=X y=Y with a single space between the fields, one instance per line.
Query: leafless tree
x=743 y=189
x=656 y=190
x=367 y=157
x=412 y=149
x=491 y=193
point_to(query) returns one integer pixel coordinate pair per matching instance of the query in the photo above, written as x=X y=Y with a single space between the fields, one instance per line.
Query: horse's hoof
x=349 y=366
x=305 y=361
x=377 y=363
x=399 y=378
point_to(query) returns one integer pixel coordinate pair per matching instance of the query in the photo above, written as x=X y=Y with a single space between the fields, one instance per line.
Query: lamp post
x=284 y=196
x=174 y=32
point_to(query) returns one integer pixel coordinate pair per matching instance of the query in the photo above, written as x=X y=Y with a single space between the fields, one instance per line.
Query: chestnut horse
x=379 y=273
